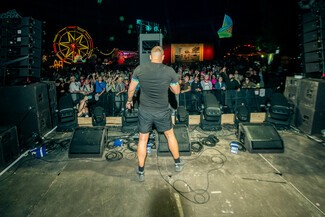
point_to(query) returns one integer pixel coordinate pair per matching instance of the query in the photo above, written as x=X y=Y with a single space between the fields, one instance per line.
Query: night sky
x=273 y=21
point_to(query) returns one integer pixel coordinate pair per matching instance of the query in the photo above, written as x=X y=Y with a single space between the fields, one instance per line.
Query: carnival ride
x=73 y=44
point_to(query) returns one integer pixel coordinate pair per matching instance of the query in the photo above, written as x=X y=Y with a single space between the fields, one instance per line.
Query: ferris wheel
x=73 y=44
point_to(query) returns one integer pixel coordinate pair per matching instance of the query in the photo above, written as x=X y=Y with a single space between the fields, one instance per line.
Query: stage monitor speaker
x=260 y=138
x=312 y=93
x=87 y=142
x=9 y=145
x=183 y=139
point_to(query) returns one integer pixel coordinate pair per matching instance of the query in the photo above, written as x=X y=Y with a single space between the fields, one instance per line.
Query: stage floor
x=214 y=182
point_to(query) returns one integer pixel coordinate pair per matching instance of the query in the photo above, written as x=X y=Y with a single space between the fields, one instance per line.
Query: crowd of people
x=102 y=85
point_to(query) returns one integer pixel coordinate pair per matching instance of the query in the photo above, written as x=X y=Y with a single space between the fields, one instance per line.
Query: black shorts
x=160 y=119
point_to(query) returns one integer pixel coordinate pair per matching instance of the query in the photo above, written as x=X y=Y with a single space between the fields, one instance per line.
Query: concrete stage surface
x=214 y=181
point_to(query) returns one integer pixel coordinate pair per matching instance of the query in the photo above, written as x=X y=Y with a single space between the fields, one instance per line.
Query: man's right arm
x=174 y=85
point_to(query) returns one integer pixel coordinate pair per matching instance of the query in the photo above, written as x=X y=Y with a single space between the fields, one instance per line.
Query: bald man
x=155 y=78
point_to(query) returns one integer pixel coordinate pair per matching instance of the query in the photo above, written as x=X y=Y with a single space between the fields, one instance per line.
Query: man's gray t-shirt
x=154 y=80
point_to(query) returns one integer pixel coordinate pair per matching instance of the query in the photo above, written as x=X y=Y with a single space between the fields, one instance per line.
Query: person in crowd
x=74 y=89
x=185 y=95
x=155 y=80
x=82 y=79
x=213 y=80
x=186 y=86
x=233 y=86
x=120 y=95
x=238 y=76
x=255 y=78
x=110 y=94
x=196 y=90
x=86 y=90
x=191 y=78
x=206 y=83
x=126 y=83
x=62 y=88
x=247 y=83
x=100 y=89
x=220 y=88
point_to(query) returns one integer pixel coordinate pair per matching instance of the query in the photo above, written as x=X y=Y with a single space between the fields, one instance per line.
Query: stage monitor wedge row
x=260 y=138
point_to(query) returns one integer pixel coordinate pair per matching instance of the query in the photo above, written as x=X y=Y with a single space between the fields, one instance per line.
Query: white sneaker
x=140 y=176
x=179 y=166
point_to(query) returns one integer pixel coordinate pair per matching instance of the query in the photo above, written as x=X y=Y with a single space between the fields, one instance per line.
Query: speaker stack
x=21 y=46
x=311 y=106
x=313 y=34
x=9 y=145
x=53 y=103
x=291 y=92
x=27 y=108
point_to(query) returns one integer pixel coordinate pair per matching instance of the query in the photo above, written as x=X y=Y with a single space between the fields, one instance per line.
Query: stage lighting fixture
x=66 y=114
x=181 y=116
x=279 y=110
x=242 y=113
x=99 y=116
x=210 y=118
x=130 y=120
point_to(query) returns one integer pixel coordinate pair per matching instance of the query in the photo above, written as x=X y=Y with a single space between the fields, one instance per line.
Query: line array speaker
x=312 y=37
x=21 y=45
